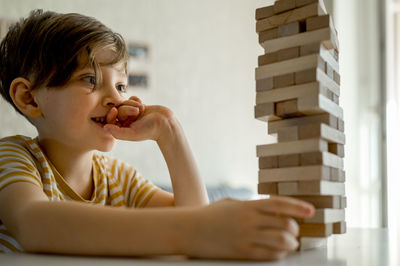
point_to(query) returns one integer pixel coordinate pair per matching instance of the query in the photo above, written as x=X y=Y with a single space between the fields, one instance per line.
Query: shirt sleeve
x=135 y=189
x=17 y=165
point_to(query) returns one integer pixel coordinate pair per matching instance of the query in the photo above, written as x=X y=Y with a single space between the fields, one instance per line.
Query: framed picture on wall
x=139 y=59
x=138 y=80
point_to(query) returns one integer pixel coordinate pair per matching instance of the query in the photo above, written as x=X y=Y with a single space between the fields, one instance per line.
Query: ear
x=21 y=94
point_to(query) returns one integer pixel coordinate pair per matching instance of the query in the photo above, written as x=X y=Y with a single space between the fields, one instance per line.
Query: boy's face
x=68 y=113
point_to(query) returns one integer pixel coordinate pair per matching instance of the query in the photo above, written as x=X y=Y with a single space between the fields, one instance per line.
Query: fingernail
x=309 y=210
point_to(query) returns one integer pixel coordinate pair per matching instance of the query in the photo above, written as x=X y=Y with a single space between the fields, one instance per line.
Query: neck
x=73 y=164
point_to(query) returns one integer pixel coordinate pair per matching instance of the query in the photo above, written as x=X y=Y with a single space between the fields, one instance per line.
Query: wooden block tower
x=297 y=93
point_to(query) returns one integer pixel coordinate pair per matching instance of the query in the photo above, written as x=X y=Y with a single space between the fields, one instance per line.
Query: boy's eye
x=90 y=79
x=121 y=88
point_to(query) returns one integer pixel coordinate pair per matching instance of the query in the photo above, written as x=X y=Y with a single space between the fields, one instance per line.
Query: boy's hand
x=255 y=230
x=135 y=121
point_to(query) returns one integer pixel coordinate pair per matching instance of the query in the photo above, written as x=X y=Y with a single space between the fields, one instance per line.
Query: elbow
x=30 y=232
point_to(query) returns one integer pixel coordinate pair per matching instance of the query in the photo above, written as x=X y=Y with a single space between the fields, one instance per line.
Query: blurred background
x=198 y=58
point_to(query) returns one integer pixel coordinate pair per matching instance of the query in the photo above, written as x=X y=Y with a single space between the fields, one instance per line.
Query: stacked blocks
x=297 y=92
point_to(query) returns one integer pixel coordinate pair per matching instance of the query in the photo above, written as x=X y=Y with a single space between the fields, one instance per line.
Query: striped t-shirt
x=115 y=183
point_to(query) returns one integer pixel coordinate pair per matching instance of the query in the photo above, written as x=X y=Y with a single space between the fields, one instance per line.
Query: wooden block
x=268 y=162
x=289 y=16
x=268 y=35
x=317 y=74
x=311 y=158
x=288 y=160
x=337 y=149
x=311 y=188
x=288 y=53
x=303 y=173
x=322 y=82
x=291 y=147
x=287 y=134
x=328 y=93
x=306 y=76
x=328 y=70
x=337 y=174
x=310 y=97
x=321 y=130
x=328 y=119
x=287 y=109
x=343 y=203
x=316 y=230
x=288 y=66
x=321 y=188
x=317 y=103
x=336 y=77
x=300 y=3
x=268 y=59
x=264 y=12
x=284 y=5
x=335 y=54
x=328 y=83
x=264 y=84
x=289 y=29
x=324 y=36
x=319 y=202
x=281 y=55
x=326 y=216
x=283 y=80
x=339 y=227
x=326 y=55
x=341 y=125
x=312 y=48
x=264 y=111
x=318 y=22
x=321 y=158
x=307 y=243
x=268 y=188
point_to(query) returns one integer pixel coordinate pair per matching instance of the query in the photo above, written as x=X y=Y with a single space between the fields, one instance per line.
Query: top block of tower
x=285 y=5
x=277 y=23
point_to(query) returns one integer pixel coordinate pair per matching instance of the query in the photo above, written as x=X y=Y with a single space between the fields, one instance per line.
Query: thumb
x=111 y=116
x=122 y=133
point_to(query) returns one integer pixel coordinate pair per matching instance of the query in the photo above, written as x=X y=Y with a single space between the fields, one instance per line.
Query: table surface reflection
x=356 y=247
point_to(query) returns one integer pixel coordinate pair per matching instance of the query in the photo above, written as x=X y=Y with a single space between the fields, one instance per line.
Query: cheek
x=71 y=113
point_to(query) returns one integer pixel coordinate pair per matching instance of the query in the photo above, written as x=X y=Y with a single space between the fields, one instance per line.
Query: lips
x=100 y=120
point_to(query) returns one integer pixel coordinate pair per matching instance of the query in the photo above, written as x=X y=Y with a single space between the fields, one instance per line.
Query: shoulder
x=17 y=162
x=16 y=146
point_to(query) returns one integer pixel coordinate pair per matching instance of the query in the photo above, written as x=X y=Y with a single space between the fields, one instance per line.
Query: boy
x=66 y=73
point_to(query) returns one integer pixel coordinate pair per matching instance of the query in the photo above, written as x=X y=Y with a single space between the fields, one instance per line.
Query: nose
x=112 y=97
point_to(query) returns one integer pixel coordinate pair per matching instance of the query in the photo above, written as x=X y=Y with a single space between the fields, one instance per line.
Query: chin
x=106 y=146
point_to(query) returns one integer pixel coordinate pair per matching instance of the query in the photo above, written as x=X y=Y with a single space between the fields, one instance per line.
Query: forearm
x=79 y=228
x=189 y=189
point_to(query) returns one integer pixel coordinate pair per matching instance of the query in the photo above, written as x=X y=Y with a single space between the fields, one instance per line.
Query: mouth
x=101 y=121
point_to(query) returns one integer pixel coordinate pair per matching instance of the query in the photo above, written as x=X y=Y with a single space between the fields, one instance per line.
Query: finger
x=135 y=98
x=111 y=116
x=260 y=252
x=280 y=222
x=125 y=111
x=284 y=206
x=122 y=133
x=132 y=103
x=276 y=239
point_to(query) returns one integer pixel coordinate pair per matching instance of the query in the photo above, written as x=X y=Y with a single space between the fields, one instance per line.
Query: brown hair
x=47 y=47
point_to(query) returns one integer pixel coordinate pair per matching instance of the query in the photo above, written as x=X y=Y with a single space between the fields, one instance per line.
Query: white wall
x=358 y=33
x=203 y=55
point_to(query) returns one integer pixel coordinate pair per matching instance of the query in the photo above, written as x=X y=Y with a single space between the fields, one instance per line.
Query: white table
x=361 y=247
